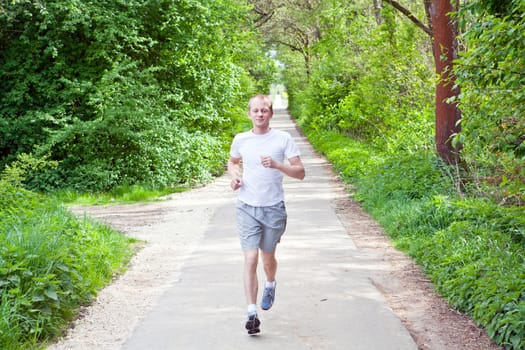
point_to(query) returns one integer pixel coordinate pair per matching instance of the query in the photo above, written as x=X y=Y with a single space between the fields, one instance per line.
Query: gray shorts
x=260 y=227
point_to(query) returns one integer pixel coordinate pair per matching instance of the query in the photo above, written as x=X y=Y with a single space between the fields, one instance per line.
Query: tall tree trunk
x=377 y=11
x=445 y=51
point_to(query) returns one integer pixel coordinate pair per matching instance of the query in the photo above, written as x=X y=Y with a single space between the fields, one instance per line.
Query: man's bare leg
x=251 y=286
x=270 y=265
x=270 y=269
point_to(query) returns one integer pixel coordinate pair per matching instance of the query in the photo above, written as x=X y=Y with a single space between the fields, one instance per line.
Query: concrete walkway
x=324 y=299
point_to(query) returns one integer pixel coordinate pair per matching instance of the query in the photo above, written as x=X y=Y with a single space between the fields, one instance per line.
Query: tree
x=448 y=114
x=122 y=92
x=296 y=25
x=290 y=23
x=443 y=31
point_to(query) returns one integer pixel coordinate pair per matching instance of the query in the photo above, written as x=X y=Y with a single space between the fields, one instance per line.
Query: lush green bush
x=477 y=262
x=124 y=93
x=50 y=264
x=377 y=85
x=408 y=176
x=351 y=158
x=492 y=82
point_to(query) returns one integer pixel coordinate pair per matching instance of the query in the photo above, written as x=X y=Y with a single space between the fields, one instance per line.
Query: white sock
x=269 y=284
x=252 y=309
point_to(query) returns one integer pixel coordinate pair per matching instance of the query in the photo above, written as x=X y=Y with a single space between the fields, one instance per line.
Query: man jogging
x=257 y=167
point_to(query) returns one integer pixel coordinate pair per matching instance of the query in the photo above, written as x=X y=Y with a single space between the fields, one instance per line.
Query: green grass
x=51 y=262
x=120 y=195
x=470 y=247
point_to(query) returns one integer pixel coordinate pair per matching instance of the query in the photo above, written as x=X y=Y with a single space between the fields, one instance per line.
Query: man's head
x=260 y=112
x=265 y=99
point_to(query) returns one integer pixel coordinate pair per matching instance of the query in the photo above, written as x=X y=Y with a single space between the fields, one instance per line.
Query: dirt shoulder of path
x=433 y=324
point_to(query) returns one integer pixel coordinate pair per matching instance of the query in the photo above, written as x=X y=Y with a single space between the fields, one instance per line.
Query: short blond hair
x=265 y=98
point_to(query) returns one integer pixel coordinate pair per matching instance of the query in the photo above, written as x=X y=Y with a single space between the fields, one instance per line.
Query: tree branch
x=410 y=16
x=263 y=16
x=290 y=46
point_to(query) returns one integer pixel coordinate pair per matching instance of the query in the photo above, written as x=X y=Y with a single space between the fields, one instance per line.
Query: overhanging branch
x=410 y=16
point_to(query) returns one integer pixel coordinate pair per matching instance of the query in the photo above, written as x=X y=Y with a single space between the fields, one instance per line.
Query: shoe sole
x=266 y=308
x=254 y=331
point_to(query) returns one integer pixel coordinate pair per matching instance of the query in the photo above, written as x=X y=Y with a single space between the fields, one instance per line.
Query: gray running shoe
x=268 y=298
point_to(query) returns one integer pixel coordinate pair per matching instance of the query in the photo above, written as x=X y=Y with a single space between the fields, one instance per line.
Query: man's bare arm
x=234 y=170
x=294 y=169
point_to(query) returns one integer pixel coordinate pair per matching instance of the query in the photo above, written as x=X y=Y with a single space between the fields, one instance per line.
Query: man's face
x=260 y=114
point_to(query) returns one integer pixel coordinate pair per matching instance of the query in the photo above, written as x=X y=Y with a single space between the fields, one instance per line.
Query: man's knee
x=250 y=258
x=268 y=258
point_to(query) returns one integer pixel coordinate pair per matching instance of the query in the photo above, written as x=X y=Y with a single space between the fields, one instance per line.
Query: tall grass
x=50 y=263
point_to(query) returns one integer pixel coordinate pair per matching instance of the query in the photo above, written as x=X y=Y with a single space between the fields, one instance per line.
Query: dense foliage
x=50 y=264
x=492 y=77
x=368 y=81
x=364 y=97
x=123 y=92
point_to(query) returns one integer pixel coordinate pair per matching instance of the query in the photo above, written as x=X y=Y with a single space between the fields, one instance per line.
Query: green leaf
x=51 y=294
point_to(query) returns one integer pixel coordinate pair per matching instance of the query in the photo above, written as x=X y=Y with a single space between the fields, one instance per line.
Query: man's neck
x=259 y=131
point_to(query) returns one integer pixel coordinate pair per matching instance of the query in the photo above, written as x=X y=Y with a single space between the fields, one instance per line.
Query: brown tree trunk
x=445 y=51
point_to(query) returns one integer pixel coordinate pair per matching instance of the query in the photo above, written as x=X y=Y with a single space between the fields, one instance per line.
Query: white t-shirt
x=262 y=186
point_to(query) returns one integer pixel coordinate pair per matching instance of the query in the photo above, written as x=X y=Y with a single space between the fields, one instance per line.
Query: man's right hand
x=236 y=183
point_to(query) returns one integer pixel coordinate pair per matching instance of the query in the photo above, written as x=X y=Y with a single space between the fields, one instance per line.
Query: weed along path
x=341 y=285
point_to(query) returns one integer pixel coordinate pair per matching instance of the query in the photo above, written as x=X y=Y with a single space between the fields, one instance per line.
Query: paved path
x=325 y=299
